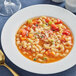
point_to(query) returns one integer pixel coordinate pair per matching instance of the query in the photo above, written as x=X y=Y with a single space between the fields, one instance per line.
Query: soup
x=44 y=39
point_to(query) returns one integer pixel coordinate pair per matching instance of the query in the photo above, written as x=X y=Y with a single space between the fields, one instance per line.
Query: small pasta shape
x=60 y=48
x=67 y=51
x=20 y=47
x=56 y=54
x=30 y=40
x=42 y=51
x=18 y=42
x=40 y=55
x=64 y=54
x=33 y=54
x=29 y=47
x=68 y=43
x=33 y=49
x=40 y=60
x=44 y=17
x=24 y=52
x=36 y=41
x=17 y=39
x=30 y=57
x=47 y=46
x=28 y=44
x=24 y=44
x=24 y=26
x=39 y=47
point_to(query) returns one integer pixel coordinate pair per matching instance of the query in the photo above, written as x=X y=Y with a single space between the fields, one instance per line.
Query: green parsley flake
x=34 y=59
x=36 y=24
x=41 y=36
x=45 y=58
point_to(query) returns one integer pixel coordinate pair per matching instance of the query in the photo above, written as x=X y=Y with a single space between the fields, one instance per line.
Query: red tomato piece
x=59 y=21
x=23 y=32
x=54 y=27
x=29 y=24
x=34 y=27
x=35 y=22
x=63 y=38
x=47 y=20
x=27 y=28
x=66 y=32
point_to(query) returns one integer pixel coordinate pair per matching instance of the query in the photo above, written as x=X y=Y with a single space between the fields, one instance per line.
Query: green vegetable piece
x=41 y=36
x=43 y=25
x=53 y=43
x=56 y=41
x=36 y=24
x=60 y=33
x=45 y=58
x=26 y=34
x=52 y=40
x=29 y=21
x=35 y=37
x=34 y=59
x=50 y=22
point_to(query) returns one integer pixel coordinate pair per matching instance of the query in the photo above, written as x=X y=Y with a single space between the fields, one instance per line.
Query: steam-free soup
x=44 y=39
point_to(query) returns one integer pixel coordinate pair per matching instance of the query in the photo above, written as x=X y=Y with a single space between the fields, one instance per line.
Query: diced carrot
x=53 y=53
x=47 y=53
x=30 y=35
x=34 y=22
x=22 y=38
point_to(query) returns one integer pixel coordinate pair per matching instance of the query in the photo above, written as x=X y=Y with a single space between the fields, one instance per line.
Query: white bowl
x=15 y=21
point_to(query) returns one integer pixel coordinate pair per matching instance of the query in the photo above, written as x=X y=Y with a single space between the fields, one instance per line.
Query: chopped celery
x=53 y=43
x=50 y=22
x=45 y=58
x=43 y=25
x=51 y=40
x=29 y=21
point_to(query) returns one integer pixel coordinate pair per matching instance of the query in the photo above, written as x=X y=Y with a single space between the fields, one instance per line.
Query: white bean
x=18 y=42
